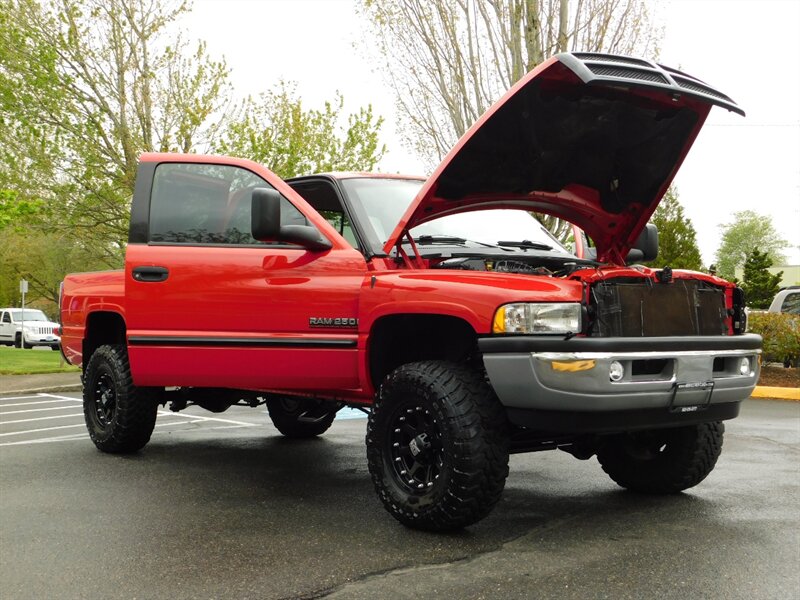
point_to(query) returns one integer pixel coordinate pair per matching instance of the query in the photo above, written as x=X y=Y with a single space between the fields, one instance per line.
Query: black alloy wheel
x=415 y=447
x=437 y=446
x=105 y=395
x=120 y=416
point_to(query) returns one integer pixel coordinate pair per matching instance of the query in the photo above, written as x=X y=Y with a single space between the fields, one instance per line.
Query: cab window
x=322 y=195
x=199 y=204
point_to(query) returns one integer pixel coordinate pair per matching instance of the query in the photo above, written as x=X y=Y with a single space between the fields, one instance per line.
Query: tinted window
x=322 y=195
x=207 y=204
x=791 y=304
x=31 y=314
x=6 y=318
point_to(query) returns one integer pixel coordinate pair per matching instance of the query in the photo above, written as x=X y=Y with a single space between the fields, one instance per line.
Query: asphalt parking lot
x=221 y=506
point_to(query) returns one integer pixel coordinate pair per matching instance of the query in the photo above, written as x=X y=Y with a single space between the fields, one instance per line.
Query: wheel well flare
x=102 y=328
x=399 y=339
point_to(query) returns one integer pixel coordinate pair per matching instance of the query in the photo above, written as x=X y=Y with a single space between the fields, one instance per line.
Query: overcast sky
x=748 y=49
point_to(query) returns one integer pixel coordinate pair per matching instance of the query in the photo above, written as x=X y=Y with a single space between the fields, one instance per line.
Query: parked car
x=28 y=328
x=786 y=301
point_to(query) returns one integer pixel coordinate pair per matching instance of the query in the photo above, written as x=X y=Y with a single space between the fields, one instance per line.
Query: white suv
x=787 y=301
x=35 y=330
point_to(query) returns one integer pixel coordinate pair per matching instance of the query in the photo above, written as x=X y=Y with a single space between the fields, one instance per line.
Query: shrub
x=781 y=333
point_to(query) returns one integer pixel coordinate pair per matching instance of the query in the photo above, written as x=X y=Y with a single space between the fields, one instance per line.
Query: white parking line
x=229 y=423
x=84 y=436
x=43 y=429
x=199 y=418
x=170 y=413
x=30 y=410
x=194 y=420
x=2 y=399
x=175 y=423
x=62 y=438
x=41 y=418
x=31 y=403
x=44 y=395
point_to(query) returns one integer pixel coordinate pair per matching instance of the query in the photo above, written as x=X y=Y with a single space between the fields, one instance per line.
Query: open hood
x=594 y=139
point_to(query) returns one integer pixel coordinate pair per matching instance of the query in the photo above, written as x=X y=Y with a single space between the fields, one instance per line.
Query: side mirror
x=646 y=247
x=265 y=223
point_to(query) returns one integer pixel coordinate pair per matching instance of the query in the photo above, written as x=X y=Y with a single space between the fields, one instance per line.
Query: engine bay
x=552 y=266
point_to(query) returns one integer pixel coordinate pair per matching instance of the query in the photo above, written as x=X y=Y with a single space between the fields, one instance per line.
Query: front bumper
x=35 y=339
x=662 y=374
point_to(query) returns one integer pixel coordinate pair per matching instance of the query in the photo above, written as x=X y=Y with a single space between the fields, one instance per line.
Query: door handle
x=150 y=274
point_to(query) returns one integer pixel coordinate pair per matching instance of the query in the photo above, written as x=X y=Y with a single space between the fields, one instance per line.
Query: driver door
x=210 y=306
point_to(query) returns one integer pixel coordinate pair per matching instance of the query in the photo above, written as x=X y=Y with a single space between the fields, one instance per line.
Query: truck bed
x=84 y=293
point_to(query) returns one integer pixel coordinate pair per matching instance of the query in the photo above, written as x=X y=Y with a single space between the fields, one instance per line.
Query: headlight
x=528 y=317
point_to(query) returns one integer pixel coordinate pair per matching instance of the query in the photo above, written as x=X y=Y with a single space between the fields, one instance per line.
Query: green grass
x=16 y=361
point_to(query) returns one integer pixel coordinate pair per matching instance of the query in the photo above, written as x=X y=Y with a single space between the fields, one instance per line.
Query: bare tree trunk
x=563 y=23
x=449 y=60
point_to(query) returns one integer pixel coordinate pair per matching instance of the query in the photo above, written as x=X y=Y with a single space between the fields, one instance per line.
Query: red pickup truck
x=441 y=306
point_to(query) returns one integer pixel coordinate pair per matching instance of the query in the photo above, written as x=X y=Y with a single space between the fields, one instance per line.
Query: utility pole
x=23 y=287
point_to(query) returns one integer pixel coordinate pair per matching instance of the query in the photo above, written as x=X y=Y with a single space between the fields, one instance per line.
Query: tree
x=85 y=87
x=449 y=60
x=747 y=231
x=759 y=285
x=280 y=133
x=42 y=259
x=677 y=238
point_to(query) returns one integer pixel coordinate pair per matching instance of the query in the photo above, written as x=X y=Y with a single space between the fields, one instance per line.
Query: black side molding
x=216 y=342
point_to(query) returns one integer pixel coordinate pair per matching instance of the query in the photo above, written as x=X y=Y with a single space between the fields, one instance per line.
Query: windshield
x=380 y=203
x=31 y=314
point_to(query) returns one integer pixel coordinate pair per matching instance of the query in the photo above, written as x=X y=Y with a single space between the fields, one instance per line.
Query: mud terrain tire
x=662 y=461
x=119 y=416
x=437 y=446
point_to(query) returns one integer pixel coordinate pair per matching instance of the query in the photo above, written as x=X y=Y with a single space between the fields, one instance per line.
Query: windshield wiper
x=425 y=240
x=439 y=239
x=525 y=244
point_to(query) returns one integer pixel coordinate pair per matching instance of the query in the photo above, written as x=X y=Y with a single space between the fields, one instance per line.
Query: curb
x=776 y=393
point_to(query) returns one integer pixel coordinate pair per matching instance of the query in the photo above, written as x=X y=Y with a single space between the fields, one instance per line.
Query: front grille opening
x=624 y=308
x=719 y=364
x=648 y=367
